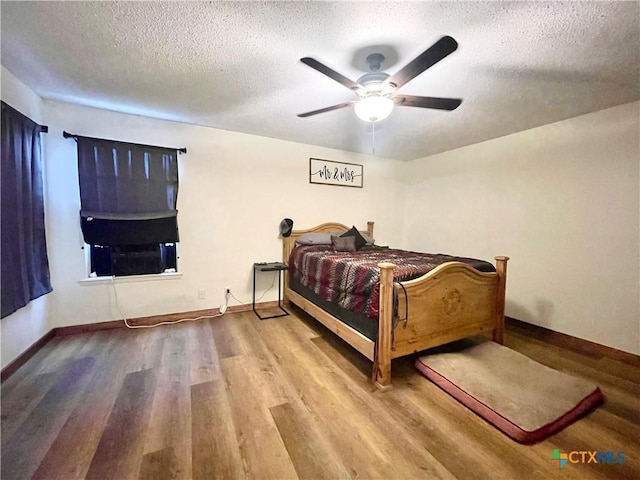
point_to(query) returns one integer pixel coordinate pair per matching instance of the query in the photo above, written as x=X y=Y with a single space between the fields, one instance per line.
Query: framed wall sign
x=328 y=172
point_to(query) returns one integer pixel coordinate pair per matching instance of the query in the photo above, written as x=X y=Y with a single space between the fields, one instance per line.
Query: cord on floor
x=128 y=325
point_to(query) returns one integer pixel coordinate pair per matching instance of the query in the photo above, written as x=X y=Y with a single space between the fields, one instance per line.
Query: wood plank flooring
x=236 y=397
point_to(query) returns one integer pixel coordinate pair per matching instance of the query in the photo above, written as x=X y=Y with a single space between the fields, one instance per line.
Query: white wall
x=562 y=201
x=27 y=325
x=234 y=191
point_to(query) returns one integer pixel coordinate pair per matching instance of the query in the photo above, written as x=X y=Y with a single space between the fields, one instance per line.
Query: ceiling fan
x=377 y=90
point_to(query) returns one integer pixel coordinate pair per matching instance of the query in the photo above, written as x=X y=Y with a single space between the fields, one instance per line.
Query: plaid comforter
x=352 y=280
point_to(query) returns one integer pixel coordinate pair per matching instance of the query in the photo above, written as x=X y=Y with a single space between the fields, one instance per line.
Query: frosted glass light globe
x=374 y=108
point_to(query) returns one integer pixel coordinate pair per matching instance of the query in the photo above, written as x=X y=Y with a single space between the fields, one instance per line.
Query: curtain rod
x=66 y=134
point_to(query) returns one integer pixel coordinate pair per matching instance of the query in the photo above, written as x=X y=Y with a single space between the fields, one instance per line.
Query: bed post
x=370 y=229
x=382 y=361
x=287 y=246
x=501 y=269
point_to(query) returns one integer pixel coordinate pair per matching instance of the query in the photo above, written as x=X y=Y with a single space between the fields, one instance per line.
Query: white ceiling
x=235 y=65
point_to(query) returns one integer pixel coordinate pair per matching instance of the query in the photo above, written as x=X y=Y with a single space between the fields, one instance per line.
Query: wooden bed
x=451 y=302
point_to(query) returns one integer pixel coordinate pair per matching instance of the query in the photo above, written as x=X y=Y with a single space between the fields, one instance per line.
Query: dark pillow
x=343 y=244
x=360 y=241
x=369 y=240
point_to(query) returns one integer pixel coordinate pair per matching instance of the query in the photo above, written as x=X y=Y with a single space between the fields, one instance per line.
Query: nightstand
x=269 y=267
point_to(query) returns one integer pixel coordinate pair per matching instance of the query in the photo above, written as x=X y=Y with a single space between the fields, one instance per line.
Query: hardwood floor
x=235 y=397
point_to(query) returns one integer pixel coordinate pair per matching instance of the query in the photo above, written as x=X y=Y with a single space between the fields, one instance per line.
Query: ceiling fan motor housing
x=373 y=83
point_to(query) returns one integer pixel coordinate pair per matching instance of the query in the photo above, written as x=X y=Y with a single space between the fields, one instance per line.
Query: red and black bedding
x=349 y=282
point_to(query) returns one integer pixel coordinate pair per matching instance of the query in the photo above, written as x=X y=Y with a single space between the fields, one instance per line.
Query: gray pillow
x=314 y=238
x=343 y=244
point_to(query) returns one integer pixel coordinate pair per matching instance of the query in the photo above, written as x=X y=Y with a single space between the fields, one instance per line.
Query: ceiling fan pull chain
x=373 y=139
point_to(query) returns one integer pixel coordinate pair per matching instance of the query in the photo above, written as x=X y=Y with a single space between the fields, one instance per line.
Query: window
x=25 y=265
x=133 y=259
x=128 y=216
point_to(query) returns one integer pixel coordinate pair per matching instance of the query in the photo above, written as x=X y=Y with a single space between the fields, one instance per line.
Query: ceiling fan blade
x=443 y=47
x=332 y=74
x=427 y=102
x=326 y=109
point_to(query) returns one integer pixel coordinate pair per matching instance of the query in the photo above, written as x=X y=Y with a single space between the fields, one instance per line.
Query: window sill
x=130 y=278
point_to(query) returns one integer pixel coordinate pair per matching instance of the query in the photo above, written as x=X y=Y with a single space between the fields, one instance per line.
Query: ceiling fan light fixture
x=374 y=108
x=377 y=89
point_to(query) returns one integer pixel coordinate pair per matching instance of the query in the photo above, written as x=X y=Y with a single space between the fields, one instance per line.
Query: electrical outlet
x=202 y=294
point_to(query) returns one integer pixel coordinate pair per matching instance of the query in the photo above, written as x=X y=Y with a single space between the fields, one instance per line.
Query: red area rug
x=524 y=399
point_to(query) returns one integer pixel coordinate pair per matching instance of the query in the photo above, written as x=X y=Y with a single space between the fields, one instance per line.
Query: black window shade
x=97 y=231
x=128 y=192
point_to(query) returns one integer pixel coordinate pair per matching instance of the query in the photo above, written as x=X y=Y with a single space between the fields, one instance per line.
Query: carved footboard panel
x=451 y=302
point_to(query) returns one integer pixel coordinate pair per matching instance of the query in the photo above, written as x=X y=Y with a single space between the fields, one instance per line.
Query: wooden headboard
x=288 y=243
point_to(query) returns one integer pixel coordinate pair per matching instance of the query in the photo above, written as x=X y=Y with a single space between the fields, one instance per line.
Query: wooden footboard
x=451 y=302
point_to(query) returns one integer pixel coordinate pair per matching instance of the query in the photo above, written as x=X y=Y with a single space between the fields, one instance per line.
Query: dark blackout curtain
x=128 y=192
x=25 y=266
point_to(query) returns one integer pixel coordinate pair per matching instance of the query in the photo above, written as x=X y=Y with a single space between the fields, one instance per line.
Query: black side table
x=269 y=267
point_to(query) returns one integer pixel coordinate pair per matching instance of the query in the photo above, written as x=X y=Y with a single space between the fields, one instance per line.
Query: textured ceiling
x=235 y=65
